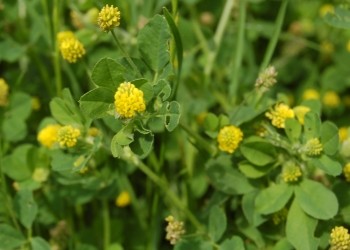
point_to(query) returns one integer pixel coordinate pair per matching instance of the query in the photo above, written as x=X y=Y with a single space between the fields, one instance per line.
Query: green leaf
x=329 y=138
x=283 y=244
x=252 y=171
x=191 y=244
x=300 y=229
x=242 y=114
x=39 y=243
x=273 y=198
x=26 y=207
x=65 y=113
x=11 y=51
x=172 y=114
x=316 y=200
x=235 y=243
x=258 y=152
x=293 y=129
x=249 y=211
x=225 y=178
x=20 y=105
x=97 y=102
x=340 y=18
x=211 y=122
x=312 y=125
x=10 y=238
x=327 y=164
x=115 y=246
x=142 y=144
x=108 y=73
x=153 y=43
x=217 y=223
x=14 y=129
x=61 y=161
x=162 y=89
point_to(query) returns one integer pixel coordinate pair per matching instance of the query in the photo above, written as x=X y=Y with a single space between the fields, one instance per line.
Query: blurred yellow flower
x=48 y=135
x=123 y=199
x=343 y=133
x=72 y=49
x=229 y=138
x=327 y=47
x=279 y=114
x=40 y=174
x=313 y=147
x=108 y=18
x=67 y=136
x=300 y=112
x=35 y=103
x=339 y=239
x=129 y=100
x=291 y=173
x=174 y=230
x=93 y=131
x=310 y=94
x=63 y=35
x=4 y=91
x=346 y=172
x=331 y=99
x=326 y=8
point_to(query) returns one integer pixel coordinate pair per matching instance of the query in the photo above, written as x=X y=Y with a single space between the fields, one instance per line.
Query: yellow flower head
x=279 y=115
x=64 y=35
x=300 y=112
x=313 y=147
x=4 y=91
x=48 y=135
x=123 y=199
x=35 y=103
x=68 y=136
x=340 y=239
x=331 y=99
x=93 y=131
x=108 y=18
x=326 y=8
x=71 y=49
x=291 y=173
x=174 y=230
x=229 y=138
x=346 y=172
x=40 y=174
x=311 y=94
x=129 y=100
x=343 y=133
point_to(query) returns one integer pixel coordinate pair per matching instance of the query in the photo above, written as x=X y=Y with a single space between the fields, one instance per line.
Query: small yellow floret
x=340 y=239
x=311 y=94
x=129 y=100
x=343 y=133
x=229 y=138
x=64 y=35
x=108 y=18
x=313 y=147
x=71 y=49
x=279 y=115
x=300 y=112
x=291 y=173
x=40 y=174
x=68 y=136
x=4 y=91
x=331 y=99
x=346 y=172
x=123 y=199
x=326 y=8
x=48 y=135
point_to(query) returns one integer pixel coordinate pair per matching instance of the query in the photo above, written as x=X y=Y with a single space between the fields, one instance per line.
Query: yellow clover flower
x=123 y=199
x=326 y=8
x=4 y=91
x=313 y=147
x=291 y=173
x=229 y=138
x=64 y=35
x=48 y=135
x=129 y=100
x=346 y=172
x=174 y=230
x=67 y=136
x=331 y=99
x=279 y=114
x=343 y=133
x=300 y=112
x=72 y=49
x=311 y=94
x=340 y=239
x=108 y=18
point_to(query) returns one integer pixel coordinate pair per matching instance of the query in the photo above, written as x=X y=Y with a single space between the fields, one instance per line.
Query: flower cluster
x=4 y=91
x=331 y=99
x=267 y=78
x=128 y=100
x=340 y=239
x=229 y=138
x=108 y=18
x=291 y=173
x=48 y=135
x=174 y=230
x=279 y=114
x=311 y=94
x=313 y=147
x=71 y=48
x=123 y=199
x=67 y=136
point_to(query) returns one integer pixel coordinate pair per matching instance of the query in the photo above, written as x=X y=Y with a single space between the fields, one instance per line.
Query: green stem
x=48 y=23
x=170 y=195
x=201 y=142
x=74 y=82
x=106 y=225
x=57 y=65
x=174 y=4
x=273 y=42
x=239 y=51
x=126 y=55
x=225 y=17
